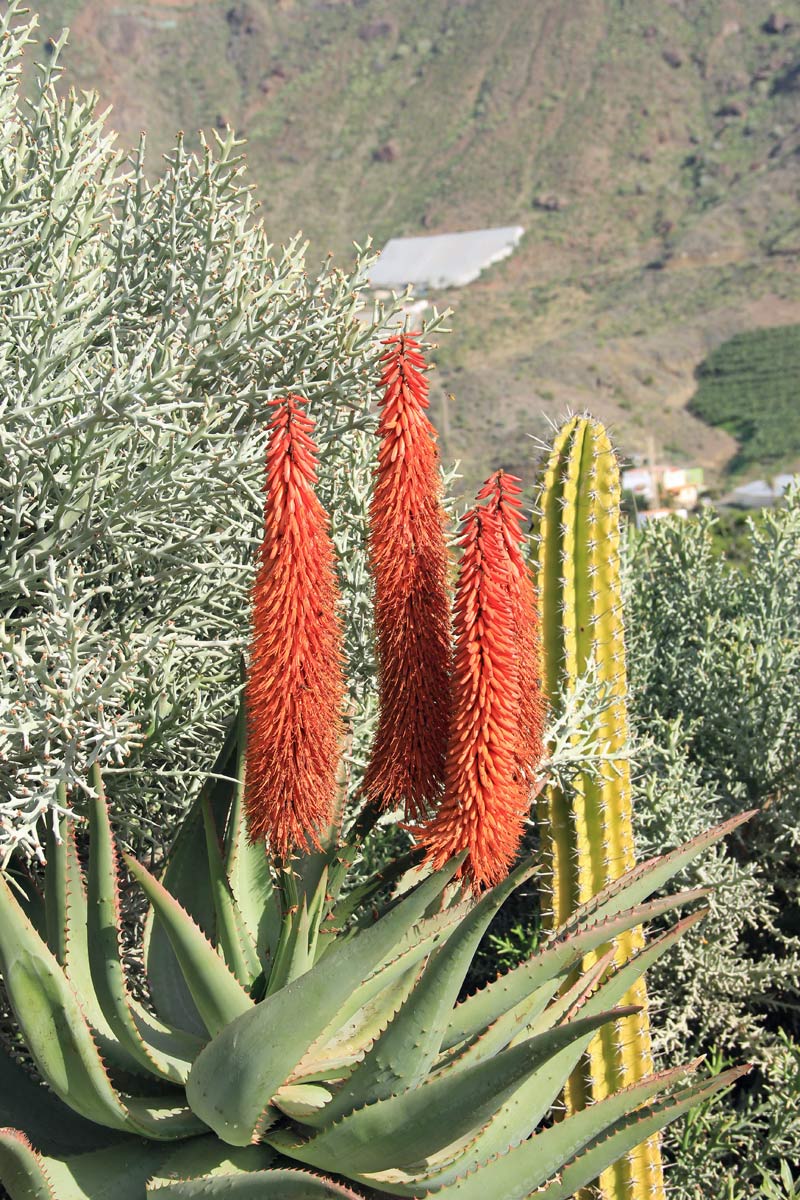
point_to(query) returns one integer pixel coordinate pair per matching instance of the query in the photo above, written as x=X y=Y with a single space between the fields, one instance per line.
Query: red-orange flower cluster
x=502 y=492
x=486 y=795
x=295 y=685
x=408 y=557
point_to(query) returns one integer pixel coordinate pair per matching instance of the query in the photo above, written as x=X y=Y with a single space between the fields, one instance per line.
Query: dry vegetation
x=650 y=150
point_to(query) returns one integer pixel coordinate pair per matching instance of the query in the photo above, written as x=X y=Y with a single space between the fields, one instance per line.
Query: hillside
x=651 y=149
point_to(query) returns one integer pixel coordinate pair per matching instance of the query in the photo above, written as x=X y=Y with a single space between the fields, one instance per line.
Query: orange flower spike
x=502 y=491
x=295 y=684
x=408 y=556
x=485 y=797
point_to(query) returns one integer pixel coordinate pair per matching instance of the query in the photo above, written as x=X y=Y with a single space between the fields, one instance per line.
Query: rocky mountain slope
x=650 y=148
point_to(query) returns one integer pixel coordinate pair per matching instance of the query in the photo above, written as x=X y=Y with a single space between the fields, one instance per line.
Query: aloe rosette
x=298 y=1046
x=301 y=1034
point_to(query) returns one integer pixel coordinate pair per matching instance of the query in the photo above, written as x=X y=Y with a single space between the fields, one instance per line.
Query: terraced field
x=750 y=387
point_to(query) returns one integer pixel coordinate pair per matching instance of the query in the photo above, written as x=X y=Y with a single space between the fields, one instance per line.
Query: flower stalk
x=295 y=685
x=502 y=493
x=485 y=796
x=408 y=556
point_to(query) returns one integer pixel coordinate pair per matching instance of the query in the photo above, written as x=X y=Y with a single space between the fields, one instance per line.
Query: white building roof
x=447 y=260
x=781 y=483
x=759 y=487
x=757 y=493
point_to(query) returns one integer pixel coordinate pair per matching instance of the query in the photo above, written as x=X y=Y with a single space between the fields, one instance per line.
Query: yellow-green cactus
x=587 y=834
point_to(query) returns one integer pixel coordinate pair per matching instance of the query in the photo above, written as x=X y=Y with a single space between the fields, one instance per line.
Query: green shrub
x=715 y=671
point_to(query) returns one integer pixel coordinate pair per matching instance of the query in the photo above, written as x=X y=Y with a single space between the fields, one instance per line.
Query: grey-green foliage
x=738 y=964
x=714 y=655
x=740 y=1144
x=144 y=329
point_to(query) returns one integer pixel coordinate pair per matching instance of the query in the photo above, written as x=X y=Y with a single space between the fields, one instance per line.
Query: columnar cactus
x=587 y=832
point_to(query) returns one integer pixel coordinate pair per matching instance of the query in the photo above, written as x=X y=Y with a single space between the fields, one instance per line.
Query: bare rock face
x=776 y=23
x=245 y=46
x=241 y=20
x=387 y=153
x=373 y=30
x=732 y=108
x=550 y=202
x=271 y=82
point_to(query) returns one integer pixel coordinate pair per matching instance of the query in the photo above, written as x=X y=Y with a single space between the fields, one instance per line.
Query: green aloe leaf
x=521 y=1114
x=360 y=896
x=165 y=1119
x=371 y=1006
x=164 y=1052
x=187 y=878
x=628 y=1132
x=527 y=1166
x=232 y=935
x=218 y=995
x=400 y=1130
x=57 y=893
x=622 y=978
x=334 y=856
x=553 y=961
x=641 y=881
x=30 y=898
x=339 y=1053
x=22 y=1171
x=236 y=1075
x=292 y=957
x=53 y=1127
x=66 y=903
x=302 y=1100
x=503 y=1030
x=533 y=1015
x=540 y=1158
x=562 y=1154
x=281 y=1184
x=65 y=900
x=247 y=866
x=571 y=1000
x=51 y=1021
x=206 y=1156
x=340 y=858
x=404 y=1053
x=303 y=915
x=253 y=889
x=119 y=1172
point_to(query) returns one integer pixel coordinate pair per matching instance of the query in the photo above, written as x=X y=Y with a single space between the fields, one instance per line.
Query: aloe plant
x=293 y=1036
x=587 y=828
x=303 y=1029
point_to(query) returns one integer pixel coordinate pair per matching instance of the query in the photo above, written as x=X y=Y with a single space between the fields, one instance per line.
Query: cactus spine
x=587 y=835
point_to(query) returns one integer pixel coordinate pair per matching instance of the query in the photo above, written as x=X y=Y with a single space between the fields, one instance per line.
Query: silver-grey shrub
x=144 y=330
x=714 y=653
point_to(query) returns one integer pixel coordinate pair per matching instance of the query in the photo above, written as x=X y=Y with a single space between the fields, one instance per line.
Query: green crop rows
x=750 y=386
